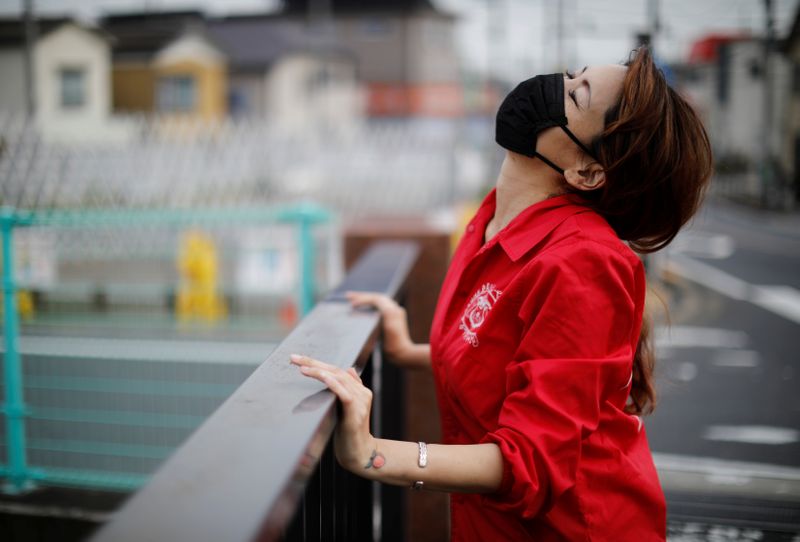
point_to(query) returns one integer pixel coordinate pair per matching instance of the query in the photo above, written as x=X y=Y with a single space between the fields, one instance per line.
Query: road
x=727 y=426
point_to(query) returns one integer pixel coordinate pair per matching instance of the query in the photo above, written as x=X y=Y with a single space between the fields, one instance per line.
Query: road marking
x=724 y=467
x=705 y=245
x=752 y=434
x=781 y=300
x=736 y=358
x=708 y=276
x=721 y=477
x=698 y=336
x=146 y=350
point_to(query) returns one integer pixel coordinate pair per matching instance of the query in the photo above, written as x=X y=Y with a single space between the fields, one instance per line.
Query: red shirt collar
x=531 y=225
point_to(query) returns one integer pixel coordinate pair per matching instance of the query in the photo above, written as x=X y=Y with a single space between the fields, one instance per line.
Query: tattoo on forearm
x=376 y=460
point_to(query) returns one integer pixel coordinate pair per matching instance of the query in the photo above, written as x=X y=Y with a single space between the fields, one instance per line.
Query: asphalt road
x=727 y=425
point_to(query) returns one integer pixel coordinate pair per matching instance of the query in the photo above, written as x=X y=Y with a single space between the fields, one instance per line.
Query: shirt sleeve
x=582 y=320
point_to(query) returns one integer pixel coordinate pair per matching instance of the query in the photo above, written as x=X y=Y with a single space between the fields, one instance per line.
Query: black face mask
x=534 y=105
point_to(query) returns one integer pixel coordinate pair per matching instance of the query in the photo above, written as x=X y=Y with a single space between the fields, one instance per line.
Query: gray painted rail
x=242 y=474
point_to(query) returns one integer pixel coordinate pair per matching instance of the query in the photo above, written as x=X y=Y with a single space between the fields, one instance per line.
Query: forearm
x=413 y=356
x=454 y=468
x=468 y=468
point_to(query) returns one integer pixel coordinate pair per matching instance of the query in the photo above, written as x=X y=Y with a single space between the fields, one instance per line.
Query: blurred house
x=404 y=49
x=287 y=72
x=310 y=63
x=71 y=85
x=791 y=48
x=724 y=78
x=186 y=63
x=392 y=58
x=165 y=63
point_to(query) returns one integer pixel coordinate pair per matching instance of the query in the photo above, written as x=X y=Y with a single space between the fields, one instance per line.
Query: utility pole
x=560 y=35
x=496 y=43
x=30 y=42
x=655 y=21
x=767 y=172
x=496 y=75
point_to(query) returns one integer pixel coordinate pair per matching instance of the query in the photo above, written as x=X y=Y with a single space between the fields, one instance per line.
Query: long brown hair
x=657 y=161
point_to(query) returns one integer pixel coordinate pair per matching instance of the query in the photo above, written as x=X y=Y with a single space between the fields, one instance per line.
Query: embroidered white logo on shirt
x=477 y=310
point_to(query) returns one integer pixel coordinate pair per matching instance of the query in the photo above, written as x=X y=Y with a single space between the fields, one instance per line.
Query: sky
x=513 y=37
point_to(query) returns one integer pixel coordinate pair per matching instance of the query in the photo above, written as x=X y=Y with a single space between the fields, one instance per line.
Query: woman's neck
x=522 y=182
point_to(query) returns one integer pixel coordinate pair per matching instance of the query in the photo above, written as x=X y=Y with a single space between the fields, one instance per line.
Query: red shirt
x=532 y=348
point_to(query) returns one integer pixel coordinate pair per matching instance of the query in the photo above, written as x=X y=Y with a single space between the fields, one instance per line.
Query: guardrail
x=262 y=466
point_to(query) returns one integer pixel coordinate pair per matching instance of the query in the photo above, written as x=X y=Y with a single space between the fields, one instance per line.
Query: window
x=73 y=87
x=176 y=93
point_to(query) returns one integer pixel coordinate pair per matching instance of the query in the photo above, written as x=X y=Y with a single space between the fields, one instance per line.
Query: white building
x=283 y=71
x=725 y=80
x=71 y=66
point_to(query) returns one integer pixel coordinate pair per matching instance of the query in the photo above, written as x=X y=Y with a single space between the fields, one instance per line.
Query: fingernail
x=295 y=357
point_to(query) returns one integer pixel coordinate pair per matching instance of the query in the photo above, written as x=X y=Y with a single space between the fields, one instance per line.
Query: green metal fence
x=105 y=411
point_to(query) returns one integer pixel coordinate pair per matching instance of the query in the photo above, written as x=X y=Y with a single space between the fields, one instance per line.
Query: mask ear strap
x=578 y=142
x=548 y=162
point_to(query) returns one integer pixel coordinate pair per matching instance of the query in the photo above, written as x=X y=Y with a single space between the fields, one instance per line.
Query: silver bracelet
x=423 y=460
x=423 y=454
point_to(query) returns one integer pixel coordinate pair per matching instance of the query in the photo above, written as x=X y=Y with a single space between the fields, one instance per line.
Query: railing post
x=307 y=275
x=14 y=408
x=305 y=216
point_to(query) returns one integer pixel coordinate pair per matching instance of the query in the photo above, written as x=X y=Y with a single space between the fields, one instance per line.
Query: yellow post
x=25 y=304
x=198 y=296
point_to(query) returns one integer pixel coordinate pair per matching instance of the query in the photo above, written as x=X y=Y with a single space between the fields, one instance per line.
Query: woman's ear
x=590 y=178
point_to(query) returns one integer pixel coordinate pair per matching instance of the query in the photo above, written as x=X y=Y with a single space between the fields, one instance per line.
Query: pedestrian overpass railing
x=262 y=466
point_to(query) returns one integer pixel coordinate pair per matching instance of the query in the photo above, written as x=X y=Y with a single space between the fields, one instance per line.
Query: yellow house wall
x=211 y=86
x=133 y=87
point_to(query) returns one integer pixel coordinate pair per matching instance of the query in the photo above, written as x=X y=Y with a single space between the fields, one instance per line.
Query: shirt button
x=471 y=228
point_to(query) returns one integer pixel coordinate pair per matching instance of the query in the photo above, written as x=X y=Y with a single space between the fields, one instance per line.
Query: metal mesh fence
x=392 y=166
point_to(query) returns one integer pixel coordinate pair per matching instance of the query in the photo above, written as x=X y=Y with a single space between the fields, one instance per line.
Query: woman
x=539 y=345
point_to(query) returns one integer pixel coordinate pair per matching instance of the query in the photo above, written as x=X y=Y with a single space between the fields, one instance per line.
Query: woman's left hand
x=353 y=443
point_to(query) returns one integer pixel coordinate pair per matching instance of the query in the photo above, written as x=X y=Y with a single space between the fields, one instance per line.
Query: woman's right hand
x=397 y=341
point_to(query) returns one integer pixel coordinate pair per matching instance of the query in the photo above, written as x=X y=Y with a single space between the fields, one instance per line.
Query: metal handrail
x=241 y=474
